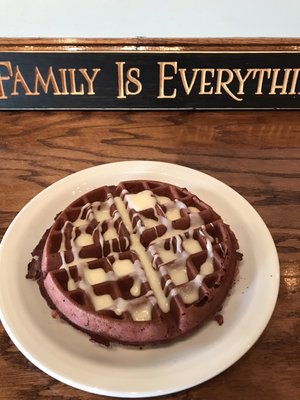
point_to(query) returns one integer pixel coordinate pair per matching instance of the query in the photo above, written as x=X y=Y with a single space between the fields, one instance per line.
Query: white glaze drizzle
x=188 y=290
x=152 y=276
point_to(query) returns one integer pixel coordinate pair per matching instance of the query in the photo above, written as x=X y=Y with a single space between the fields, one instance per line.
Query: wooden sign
x=149 y=75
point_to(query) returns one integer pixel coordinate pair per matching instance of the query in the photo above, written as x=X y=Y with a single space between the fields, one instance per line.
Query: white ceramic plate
x=67 y=355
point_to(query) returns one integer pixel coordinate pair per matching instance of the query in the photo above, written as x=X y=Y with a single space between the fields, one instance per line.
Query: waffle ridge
x=139 y=262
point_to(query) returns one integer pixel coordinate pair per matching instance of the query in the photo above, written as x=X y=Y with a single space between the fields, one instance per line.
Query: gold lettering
x=63 y=78
x=294 y=81
x=131 y=75
x=133 y=80
x=74 y=90
x=223 y=84
x=261 y=75
x=18 y=78
x=241 y=79
x=121 y=94
x=163 y=78
x=275 y=86
x=188 y=87
x=203 y=82
x=90 y=81
x=7 y=65
x=39 y=80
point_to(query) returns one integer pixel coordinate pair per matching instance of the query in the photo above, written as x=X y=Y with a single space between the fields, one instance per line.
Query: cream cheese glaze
x=185 y=246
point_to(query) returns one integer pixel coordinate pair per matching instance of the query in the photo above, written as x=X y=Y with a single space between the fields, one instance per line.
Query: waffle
x=136 y=263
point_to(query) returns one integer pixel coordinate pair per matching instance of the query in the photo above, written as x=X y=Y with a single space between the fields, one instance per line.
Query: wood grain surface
x=256 y=153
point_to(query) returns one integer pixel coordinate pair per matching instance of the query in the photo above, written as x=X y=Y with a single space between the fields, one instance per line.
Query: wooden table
x=256 y=153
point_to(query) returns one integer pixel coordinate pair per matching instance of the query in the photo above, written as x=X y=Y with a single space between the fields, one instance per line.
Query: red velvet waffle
x=141 y=262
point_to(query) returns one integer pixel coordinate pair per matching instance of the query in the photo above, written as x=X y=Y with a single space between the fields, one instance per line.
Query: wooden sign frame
x=149 y=74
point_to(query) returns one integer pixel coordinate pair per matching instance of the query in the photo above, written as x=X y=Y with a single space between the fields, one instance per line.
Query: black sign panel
x=149 y=80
